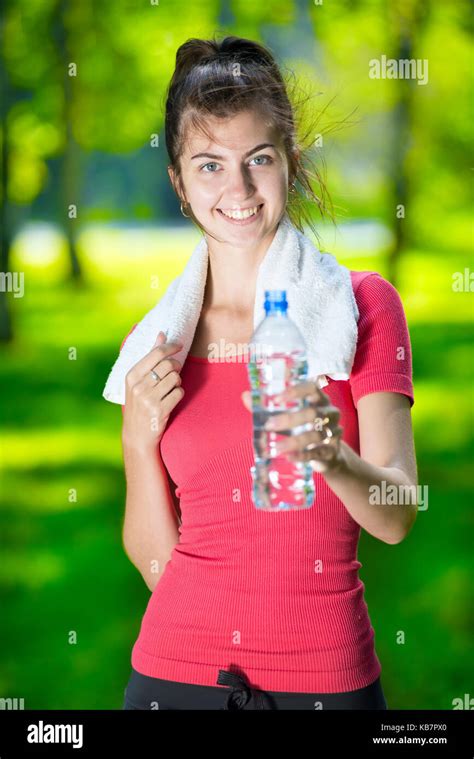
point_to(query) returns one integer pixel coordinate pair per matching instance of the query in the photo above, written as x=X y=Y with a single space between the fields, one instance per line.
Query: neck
x=232 y=274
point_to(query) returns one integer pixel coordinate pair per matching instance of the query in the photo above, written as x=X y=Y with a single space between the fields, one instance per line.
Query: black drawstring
x=241 y=692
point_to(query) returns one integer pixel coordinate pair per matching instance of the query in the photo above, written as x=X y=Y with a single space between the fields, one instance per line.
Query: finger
x=164 y=367
x=169 y=401
x=314 y=438
x=302 y=389
x=160 y=389
x=148 y=380
x=157 y=353
x=161 y=338
x=321 y=459
x=287 y=420
x=164 y=370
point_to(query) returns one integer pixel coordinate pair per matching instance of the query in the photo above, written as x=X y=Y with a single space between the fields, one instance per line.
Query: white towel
x=320 y=299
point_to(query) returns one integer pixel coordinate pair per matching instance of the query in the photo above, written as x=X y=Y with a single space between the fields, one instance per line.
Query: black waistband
x=241 y=692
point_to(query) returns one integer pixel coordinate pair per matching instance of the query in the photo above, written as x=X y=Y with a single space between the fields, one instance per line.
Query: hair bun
x=191 y=53
x=244 y=49
x=195 y=51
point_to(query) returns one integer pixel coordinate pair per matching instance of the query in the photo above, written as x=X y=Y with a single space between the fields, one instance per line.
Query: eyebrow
x=249 y=152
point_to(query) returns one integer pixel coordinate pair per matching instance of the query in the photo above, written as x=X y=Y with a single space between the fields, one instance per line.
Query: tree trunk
x=6 y=330
x=69 y=184
x=411 y=18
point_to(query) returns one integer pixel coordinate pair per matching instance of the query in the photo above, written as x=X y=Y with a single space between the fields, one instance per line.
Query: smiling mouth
x=242 y=215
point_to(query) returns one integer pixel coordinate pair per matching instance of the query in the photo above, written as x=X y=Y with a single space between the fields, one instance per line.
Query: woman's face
x=242 y=170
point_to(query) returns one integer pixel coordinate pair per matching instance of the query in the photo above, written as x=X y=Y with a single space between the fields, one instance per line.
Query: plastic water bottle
x=277 y=360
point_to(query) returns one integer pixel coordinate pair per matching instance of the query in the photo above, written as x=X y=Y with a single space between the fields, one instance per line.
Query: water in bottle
x=277 y=361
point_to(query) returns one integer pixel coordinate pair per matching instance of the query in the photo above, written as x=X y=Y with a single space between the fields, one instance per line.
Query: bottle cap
x=275 y=300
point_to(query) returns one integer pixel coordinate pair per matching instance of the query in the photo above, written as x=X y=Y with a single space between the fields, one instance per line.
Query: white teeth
x=241 y=214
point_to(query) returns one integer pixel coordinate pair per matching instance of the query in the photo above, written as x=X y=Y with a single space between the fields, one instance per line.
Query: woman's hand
x=320 y=445
x=148 y=400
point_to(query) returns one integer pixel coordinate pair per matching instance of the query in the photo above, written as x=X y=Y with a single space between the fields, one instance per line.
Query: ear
x=172 y=177
x=174 y=182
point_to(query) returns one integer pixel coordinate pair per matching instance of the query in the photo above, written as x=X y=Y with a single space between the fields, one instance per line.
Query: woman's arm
x=387 y=458
x=150 y=529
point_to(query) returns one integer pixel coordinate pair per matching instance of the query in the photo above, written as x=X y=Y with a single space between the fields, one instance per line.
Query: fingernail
x=270 y=425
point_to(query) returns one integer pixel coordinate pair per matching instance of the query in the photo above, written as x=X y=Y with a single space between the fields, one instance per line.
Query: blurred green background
x=82 y=88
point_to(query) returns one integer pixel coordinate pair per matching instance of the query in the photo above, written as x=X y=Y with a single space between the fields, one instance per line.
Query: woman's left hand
x=321 y=445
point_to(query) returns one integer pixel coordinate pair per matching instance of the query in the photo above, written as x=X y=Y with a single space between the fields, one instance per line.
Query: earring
x=292 y=187
x=184 y=214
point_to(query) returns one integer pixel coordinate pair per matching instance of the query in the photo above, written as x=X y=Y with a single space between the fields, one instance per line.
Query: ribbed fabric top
x=275 y=596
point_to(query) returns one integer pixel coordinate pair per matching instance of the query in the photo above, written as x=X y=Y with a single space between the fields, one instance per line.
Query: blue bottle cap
x=275 y=300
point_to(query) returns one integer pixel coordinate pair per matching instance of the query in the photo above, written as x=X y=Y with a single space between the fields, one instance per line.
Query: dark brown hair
x=224 y=78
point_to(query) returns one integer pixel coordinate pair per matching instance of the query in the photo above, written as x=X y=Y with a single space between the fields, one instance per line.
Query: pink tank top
x=275 y=595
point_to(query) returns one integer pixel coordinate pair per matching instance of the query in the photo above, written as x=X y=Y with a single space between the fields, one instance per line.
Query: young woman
x=238 y=617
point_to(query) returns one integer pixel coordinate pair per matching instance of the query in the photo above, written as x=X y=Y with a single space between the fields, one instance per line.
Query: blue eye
x=209 y=164
x=266 y=157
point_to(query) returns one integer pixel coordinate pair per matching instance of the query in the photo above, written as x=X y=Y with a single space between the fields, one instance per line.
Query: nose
x=240 y=185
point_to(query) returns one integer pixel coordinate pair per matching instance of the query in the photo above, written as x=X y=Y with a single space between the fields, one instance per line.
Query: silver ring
x=154 y=375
